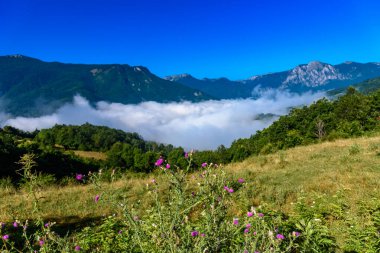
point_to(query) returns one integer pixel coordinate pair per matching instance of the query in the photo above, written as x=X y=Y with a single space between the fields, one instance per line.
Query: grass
x=333 y=177
x=91 y=154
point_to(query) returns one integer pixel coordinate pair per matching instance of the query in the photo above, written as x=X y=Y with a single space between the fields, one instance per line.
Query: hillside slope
x=29 y=86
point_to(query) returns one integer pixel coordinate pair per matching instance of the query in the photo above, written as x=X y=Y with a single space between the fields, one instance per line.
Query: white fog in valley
x=203 y=125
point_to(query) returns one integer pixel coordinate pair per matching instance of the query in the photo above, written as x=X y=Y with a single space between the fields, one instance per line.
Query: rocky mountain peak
x=313 y=74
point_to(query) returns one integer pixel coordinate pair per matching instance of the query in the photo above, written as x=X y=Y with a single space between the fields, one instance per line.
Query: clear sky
x=206 y=38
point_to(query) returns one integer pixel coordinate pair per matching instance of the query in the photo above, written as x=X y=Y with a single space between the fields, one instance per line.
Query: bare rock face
x=314 y=74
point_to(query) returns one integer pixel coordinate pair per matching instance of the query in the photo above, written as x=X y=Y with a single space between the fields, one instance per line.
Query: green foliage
x=351 y=115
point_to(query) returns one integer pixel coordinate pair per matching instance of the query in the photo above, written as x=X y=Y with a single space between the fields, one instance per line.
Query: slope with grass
x=335 y=183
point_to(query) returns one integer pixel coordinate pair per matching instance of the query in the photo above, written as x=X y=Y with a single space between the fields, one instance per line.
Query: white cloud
x=204 y=125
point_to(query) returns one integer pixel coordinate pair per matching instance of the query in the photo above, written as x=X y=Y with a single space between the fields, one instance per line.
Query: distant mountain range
x=31 y=87
x=312 y=76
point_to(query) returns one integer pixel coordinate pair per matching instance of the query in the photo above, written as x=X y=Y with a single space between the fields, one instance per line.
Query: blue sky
x=209 y=38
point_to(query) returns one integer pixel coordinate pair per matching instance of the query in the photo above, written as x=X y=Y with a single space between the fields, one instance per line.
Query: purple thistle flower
x=249 y=214
x=236 y=221
x=79 y=177
x=194 y=233
x=248 y=225
x=230 y=190
x=96 y=199
x=241 y=180
x=226 y=188
x=15 y=224
x=77 y=248
x=255 y=233
x=203 y=235
x=159 y=162
x=120 y=232
x=246 y=230
x=41 y=242
x=46 y=225
x=167 y=166
x=245 y=251
x=261 y=215
x=204 y=165
x=5 y=237
x=280 y=237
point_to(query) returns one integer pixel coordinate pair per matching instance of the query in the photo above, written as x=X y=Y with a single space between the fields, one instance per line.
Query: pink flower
x=41 y=242
x=167 y=166
x=77 y=248
x=5 y=237
x=96 y=199
x=230 y=190
x=204 y=165
x=261 y=215
x=153 y=181
x=280 y=237
x=46 y=225
x=246 y=230
x=236 y=221
x=255 y=233
x=186 y=155
x=241 y=180
x=15 y=224
x=79 y=177
x=249 y=214
x=159 y=162
x=194 y=233
x=203 y=235
x=248 y=225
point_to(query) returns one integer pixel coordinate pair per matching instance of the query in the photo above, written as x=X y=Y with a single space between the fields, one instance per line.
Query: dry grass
x=351 y=167
x=91 y=154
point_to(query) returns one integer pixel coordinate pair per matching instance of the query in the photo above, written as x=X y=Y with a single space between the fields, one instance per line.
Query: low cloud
x=204 y=125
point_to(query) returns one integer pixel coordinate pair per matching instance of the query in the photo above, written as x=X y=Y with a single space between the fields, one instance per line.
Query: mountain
x=365 y=87
x=312 y=76
x=32 y=87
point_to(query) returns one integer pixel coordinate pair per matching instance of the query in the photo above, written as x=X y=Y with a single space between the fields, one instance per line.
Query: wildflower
x=245 y=251
x=167 y=166
x=46 y=225
x=246 y=230
x=255 y=233
x=280 y=237
x=5 y=237
x=296 y=234
x=226 y=188
x=120 y=232
x=159 y=162
x=236 y=221
x=186 y=155
x=249 y=214
x=203 y=235
x=15 y=224
x=230 y=190
x=241 y=180
x=261 y=215
x=96 y=199
x=79 y=177
x=204 y=165
x=153 y=181
x=77 y=248
x=194 y=233
x=248 y=225
x=2 y=224
x=41 y=242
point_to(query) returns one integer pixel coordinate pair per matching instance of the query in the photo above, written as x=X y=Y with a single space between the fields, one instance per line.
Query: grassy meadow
x=335 y=182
